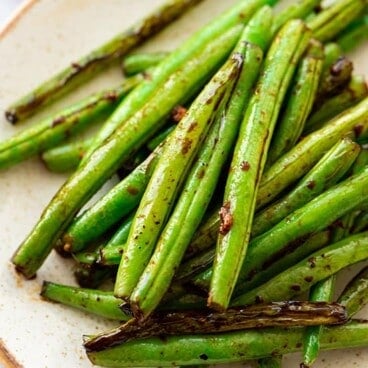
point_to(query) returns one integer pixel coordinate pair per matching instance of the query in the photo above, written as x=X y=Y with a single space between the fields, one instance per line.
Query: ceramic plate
x=44 y=37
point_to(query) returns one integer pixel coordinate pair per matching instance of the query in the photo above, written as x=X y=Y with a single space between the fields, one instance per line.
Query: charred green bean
x=178 y=154
x=354 y=297
x=203 y=177
x=224 y=348
x=87 y=66
x=138 y=63
x=299 y=278
x=249 y=159
x=282 y=314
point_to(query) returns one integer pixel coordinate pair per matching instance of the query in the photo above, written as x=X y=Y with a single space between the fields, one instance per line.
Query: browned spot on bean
x=132 y=190
x=201 y=173
x=308 y=278
x=245 y=166
x=295 y=287
x=178 y=113
x=147 y=76
x=226 y=218
x=311 y=184
x=312 y=262
x=209 y=101
x=186 y=146
x=192 y=126
x=358 y=130
x=57 y=121
x=111 y=96
x=76 y=66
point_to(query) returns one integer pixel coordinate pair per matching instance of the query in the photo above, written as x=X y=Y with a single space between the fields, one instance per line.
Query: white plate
x=44 y=38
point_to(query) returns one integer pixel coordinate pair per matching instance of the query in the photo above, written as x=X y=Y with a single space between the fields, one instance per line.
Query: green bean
x=195 y=265
x=345 y=225
x=299 y=278
x=104 y=303
x=334 y=80
x=178 y=154
x=348 y=222
x=133 y=162
x=312 y=244
x=306 y=153
x=101 y=303
x=354 y=34
x=160 y=137
x=332 y=20
x=87 y=66
x=361 y=161
x=354 y=297
x=112 y=207
x=321 y=291
x=109 y=209
x=333 y=52
x=273 y=267
x=327 y=172
x=182 y=302
x=283 y=314
x=65 y=158
x=356 y=91
x=110 y=254
x=92 y=276
x=287 y=234
x=89 y=256
x=299 y=196
x=203 y=177
x=299 y=103
x=105 y=161
x=224 y=348
x=249 y=159
x=361 y=223
x=138 y=63
x=205 y=236
x=296 y=10
x=59 y=127
x=239 y=14
x=270 y=362
x=294 y=229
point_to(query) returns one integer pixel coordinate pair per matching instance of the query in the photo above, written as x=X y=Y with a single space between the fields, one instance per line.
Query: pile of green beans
x=243 y=166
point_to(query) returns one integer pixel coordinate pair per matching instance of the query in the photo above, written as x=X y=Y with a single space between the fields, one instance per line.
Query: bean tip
x=43 y=291
x=24 y=271
x=215 y=305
